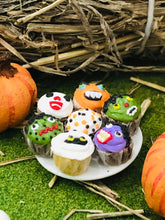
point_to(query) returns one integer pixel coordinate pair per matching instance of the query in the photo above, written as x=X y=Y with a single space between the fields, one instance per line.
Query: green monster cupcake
x=123 y=108
x=39 y=132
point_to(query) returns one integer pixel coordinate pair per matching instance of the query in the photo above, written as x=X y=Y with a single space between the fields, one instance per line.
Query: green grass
x=24 y=191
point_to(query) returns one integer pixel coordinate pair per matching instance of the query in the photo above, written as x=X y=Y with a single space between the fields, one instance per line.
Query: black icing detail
x=50 y=94
x=76 y=141
x=132 y=109
x=67 y=98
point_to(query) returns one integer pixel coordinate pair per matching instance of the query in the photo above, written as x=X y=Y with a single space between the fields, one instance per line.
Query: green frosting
x=122 y=108
x=42 y=128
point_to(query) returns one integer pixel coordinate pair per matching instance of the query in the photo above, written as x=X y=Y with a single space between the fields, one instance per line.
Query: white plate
x=96 y=169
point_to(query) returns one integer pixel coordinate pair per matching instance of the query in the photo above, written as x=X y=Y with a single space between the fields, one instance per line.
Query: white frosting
x=55 y=105
x=70 y=150
x=83 y=120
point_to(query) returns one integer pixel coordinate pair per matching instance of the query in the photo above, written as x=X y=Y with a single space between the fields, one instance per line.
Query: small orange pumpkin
x=18 y=93
x=90 y=96
x=153 y=176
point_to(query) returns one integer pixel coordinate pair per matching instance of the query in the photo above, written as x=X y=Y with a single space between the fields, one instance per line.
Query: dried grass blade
x=1 y=153
x=98 y=185
x=81 y=210
x=41 y=11
x=52 y=181
x=144 y=106
x=16 y=160
x=149 y=84
x=112 y=214
x=116 y=202
x=12 y=50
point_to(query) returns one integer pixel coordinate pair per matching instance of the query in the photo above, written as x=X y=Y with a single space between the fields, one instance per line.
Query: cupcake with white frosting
x=56 y=104
x=72 y=152
x=84 y=120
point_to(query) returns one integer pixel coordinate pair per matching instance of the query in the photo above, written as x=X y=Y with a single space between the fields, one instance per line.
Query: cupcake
x=72 y=152
x=39 y=132
x=84 y=120
x=56 y=104
x=90 y=96
x=124 y=109
x=113 y=144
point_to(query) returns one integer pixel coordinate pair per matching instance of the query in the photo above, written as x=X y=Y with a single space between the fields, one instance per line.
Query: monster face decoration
x=73 y=145
x=55 y=103
x=90 y=96
x=42 y=128
x=74 y=140
x=112 y=138
x=122 y=108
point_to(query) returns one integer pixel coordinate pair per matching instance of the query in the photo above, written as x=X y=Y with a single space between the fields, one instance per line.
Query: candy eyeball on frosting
x=56 y=104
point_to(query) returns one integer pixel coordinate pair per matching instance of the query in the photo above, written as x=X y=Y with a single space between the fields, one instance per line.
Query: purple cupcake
x=113 y=144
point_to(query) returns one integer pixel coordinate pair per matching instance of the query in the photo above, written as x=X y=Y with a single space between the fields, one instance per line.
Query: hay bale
x=64 y=36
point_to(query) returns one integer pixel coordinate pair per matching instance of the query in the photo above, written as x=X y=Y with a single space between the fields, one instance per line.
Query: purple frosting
x=110 y=138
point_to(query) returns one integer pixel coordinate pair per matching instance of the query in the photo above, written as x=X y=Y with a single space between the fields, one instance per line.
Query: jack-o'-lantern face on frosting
x=90 y=96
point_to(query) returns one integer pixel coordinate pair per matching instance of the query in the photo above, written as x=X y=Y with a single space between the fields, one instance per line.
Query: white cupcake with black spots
x=84 y=120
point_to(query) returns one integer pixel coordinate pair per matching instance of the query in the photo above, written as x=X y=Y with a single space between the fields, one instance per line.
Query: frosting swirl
x=72 y=145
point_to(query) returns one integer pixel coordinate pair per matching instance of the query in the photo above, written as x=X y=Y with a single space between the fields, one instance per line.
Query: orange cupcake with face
x=90 y=96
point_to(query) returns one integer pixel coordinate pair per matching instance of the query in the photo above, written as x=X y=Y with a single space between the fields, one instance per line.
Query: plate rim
x=44 y=162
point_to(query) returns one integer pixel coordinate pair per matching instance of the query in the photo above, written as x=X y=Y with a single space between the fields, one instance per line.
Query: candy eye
x=70 y=138
x=109 y=125
x=101 y=87
x=51 y=119
x=129 y=98
x=82 y=139
x=116 y=106
x=118 y=134
x=34 y=126
x=82 y=86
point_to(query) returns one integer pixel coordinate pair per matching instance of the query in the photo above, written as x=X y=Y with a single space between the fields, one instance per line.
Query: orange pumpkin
x=18 y=93
x=153 y=176
x=90 y=96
